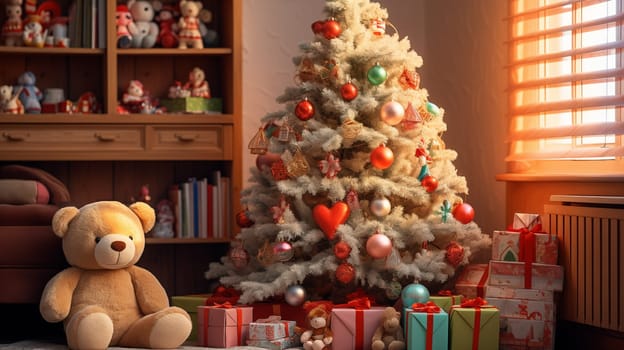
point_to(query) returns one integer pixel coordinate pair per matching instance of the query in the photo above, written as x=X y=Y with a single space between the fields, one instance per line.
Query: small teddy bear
x=30 y=96
x=189 y=24
x=12 y=28
x=9 y=101
x=319 y=336
x=197 y=83
x=145 y=30
x=389 y=334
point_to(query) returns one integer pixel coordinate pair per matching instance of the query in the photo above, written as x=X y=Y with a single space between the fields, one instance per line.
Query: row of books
x=202 y=207
x=87 y=24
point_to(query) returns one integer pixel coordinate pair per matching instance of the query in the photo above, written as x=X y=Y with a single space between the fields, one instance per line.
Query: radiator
x=591 y=249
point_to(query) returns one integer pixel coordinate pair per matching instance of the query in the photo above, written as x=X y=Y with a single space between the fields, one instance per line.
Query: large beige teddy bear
x=103 y=298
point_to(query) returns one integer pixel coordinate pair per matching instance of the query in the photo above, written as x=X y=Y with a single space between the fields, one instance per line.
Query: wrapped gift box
x=192 y=105
x=283 y=310
x=518 y=293
x=222 y=327
x=526 y=309
x=525 y=275
x=271 y=328
x=190 y=304
x=474 y=328
x=510 y=246
x=354 y=328
x=275 y=344
x=472 y=281
x=527 y=221
x=446 y=301
x=426 y=330
x=527 y=334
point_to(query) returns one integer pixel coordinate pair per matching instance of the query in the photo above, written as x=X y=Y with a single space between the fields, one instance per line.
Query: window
x=566 y=89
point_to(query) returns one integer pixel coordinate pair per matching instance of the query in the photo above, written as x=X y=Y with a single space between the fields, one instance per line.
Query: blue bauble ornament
x=414 y=293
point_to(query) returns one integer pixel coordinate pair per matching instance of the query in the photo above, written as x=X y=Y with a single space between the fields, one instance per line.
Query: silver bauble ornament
x=380 y=206
x=295 y=295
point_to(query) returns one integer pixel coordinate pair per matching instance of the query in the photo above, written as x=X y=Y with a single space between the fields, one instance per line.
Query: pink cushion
x=15 y=191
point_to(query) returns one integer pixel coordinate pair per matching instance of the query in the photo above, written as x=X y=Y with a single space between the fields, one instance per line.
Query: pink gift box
x=472 y=281
x=526 y=334
x=525 y=275
x=518 y=293
x=223 y=327
x=507 y=246
x=271 y=328
x=525 y=309
x=353 y=329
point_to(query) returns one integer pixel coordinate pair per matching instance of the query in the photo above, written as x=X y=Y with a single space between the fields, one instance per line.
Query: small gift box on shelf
x=526 y=275
x=223 y=326
x=271 y=328
x=526 y=334
x=275 y=344
x=524 y=245
x=426 y=327
x=445 y=299
x=192 y=105
x=525 y=309
x=474 y=325
x=518 y=293
x=353 y=328
x=472 y=281
x=190 y=303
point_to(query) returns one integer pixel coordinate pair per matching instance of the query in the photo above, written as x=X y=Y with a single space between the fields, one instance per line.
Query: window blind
x=566 y=69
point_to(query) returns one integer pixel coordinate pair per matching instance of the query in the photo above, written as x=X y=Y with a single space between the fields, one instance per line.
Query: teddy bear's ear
x=145 y=213
x=62 y=218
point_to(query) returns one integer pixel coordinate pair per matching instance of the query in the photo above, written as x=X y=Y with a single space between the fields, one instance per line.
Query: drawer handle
x=14 y=137
x=186 y=138
x=105 y=138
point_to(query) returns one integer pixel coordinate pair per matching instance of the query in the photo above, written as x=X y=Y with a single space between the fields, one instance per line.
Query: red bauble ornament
x=342 y=250
x=430 y=183
x=345 y=273
x=304 y=110
x=317 y=27
x=382 y=157
x=243 y=220
x=331 y=29
x=454 y=253
x=348 y=91
x=378 y=246
x=463 y=213
x=329 y=219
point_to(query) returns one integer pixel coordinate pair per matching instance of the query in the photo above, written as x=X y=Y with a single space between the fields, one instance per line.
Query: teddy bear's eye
x=97 y=239
x=131 y=238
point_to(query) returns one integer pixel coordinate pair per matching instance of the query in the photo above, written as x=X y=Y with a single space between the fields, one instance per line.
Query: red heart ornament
x=329 y=219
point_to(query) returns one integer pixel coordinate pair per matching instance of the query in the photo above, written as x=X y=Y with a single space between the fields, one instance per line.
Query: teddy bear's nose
x=118 y=246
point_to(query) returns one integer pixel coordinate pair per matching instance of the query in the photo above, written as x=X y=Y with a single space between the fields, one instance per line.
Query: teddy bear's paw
x=170 y=331
x=93 y=331
x=318 y=345
x=396 y=345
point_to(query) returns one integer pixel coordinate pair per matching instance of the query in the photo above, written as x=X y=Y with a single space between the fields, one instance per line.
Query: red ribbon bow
x=226 y=305
x=445 y=293
x=429 y=307
x=477 y=302
x=358 y=304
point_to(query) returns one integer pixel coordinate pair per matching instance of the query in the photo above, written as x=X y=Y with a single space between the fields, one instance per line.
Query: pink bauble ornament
x=378 y=246
x=463 y=213
x=392 y=113
x=454 y=253
x=382 y=157
x=430 y=183
x=264 y=161
x=380 y=206
x=345 y=273
x=283 y=251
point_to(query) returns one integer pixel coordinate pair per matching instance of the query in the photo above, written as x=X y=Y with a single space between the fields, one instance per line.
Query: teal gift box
x=427 y=329
x=192 y=105
x=474 y=326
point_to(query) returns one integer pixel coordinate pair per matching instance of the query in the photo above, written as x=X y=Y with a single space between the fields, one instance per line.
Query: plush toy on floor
x=103 y=298
x=319 y=335
x=389 y=334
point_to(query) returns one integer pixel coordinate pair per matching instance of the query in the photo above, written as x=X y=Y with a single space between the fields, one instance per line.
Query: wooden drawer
x=190 y=141
x=76 y=138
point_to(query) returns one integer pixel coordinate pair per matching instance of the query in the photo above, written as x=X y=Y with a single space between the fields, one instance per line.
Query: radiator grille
x=591 y=251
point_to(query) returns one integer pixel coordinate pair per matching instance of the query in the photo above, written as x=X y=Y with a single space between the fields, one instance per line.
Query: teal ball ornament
x=433 y=109
x=414 y=293
x=377 y=75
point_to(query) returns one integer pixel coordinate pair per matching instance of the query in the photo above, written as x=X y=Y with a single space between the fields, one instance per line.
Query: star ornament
x=330 y=166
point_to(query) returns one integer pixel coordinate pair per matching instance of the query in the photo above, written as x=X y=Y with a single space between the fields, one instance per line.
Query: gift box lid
x=440 y=320
x=488 y=316
x=225 y=317
x=527 y=221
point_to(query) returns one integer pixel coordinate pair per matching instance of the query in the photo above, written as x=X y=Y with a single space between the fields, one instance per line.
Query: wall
x=462 y=44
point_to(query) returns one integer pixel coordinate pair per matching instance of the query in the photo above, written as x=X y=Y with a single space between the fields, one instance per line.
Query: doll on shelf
x=12 y=28
x=123 y=23
x=197 y=83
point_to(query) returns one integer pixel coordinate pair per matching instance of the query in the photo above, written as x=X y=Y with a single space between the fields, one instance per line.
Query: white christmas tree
x=354 y=187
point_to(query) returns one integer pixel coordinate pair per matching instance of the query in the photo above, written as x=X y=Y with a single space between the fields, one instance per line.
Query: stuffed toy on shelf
x=30 y=95
x=103 y=298
x=12 y=28
x=189 y=34
x=9 y=100
x=145 y=30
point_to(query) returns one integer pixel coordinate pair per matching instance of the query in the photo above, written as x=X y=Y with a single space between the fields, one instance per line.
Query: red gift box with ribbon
x=523 y=244
x=526 y=275
x=472 y=281
x=223 y=326
x=353 y=328
x=271 y=328
x=474 y=325
x=426 y=327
